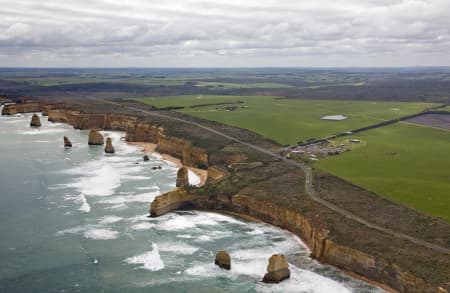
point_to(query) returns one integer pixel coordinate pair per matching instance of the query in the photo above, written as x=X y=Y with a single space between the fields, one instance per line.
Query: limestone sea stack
x=109 y=149
x=95 y=138
x=67 y=142
x=35 y=121
x=182 y=177
x=277 y=269
x=223 y=260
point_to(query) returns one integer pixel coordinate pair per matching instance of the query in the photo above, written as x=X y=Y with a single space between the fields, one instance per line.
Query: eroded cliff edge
x=243 y=181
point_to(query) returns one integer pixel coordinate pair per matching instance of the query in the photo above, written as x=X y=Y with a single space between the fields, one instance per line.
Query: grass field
x=226 y=85
x=289 y=121
x=406 y=163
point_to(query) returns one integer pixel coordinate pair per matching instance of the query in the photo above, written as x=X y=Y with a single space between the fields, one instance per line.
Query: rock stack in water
x=223 y=260
x=182 y=177
x=95 y=138
x=277 y=269
x=35 y=121
x=109 y=149
x=67 y=142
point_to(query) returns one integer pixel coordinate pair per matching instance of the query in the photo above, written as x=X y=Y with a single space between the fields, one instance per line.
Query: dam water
x=75 y=220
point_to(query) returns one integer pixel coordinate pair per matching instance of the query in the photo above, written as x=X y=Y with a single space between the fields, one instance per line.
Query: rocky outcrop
x=223 y=260
x=216 y=173
x=12 y=109
x=141 y=132
x=170 y=145
x=194 y=156
x=317 y=238
x=277 y=269
x=35 y=121
x=170 y=201
x=109 y=149
x=183 y=149
x=326 y=250
x=95 y=138
x=182 y=177
x=56 y=115
x=67 y=142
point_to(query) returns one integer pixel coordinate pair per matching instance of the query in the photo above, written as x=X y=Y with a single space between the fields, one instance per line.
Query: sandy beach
x=148 y=147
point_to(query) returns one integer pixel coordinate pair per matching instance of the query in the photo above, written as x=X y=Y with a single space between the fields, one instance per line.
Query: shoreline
x=148 y=147
x=151 y=148
x=253 y=219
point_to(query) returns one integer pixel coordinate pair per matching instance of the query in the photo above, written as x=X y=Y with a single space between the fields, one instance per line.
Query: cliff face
x=88 y=120
x=190 y=155
x=12 y=109
x=170 y=145
x=170 y=201
x=325 y=250
x=316 y=238
x=194 y=156
x=141 y=132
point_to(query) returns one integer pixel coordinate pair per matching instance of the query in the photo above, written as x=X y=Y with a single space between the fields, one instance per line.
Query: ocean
x=76 y=220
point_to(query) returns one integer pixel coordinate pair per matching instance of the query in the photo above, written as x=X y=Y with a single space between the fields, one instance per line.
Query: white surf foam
x=85 y=207
x=206 y=271
x=100 y=234
x=142 y=226
x=38 y=131
x=122 y=199
x=194 y=179
x=110 y=220
x=304 y=281
x=175 y=222
x=150 y=260
x=178 y=248
x=97 y=179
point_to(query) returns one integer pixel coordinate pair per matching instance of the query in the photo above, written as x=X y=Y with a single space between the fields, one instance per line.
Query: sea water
x=75 y=220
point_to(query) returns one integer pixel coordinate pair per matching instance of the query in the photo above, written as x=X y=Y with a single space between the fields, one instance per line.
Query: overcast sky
x=211 y=33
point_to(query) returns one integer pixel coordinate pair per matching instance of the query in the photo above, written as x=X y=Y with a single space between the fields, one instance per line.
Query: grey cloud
x=222 y=33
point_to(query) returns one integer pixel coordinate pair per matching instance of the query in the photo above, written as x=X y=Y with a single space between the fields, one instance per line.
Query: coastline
x=148 y=147
x=336 y=255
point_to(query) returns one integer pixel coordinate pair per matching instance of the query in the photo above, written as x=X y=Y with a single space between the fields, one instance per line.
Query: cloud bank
x=203 y=33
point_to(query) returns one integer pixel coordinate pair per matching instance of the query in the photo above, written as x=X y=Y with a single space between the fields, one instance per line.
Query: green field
x=227 y=85
x=406 y=163
x=289 y=121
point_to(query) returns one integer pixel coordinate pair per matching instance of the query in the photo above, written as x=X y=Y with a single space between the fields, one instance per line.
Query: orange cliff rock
x=277 y=269
x=95 y=138
x=12 y=109
x=170 y=201
x=35 y=121
x=141 y=132
x=109 y=149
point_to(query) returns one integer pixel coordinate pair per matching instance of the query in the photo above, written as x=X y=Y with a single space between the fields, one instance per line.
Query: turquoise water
x=75 y=220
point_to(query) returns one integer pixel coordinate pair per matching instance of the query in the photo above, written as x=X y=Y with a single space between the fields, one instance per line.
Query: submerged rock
x=223 y=260
x=35 y=121
x=67 y=142
x=95 y=138
x=109 y=149
x=182 y=177
x=277 y=269
x=146 y=158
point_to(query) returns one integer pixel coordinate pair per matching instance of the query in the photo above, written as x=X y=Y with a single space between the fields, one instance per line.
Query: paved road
x=309 y=188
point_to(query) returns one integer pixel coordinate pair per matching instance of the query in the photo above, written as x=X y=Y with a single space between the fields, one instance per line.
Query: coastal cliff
x=315 y=234
x=30 y=107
